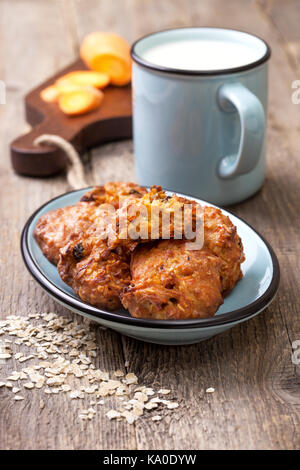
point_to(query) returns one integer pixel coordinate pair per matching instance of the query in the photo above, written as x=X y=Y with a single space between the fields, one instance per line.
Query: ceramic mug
x=199 y=112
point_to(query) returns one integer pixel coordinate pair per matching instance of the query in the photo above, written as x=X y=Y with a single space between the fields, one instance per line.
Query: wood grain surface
x=257 y=399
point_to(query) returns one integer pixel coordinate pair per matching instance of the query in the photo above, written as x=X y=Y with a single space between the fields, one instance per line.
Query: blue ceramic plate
x=250 y=296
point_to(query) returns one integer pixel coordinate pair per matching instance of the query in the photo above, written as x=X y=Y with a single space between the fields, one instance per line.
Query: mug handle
x=236 y=97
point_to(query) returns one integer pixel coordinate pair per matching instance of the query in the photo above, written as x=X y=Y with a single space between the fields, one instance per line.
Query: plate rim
x=232 y=317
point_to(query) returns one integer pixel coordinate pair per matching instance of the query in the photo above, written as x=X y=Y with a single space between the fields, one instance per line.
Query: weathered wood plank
x=43 y=45
x=285 y=16
x=257 y=401
x=249 y=365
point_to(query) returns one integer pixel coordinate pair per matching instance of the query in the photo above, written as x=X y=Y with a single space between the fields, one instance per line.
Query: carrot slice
x=80 y=101
x=67 y=87
x=84 y=77
x=108 y=53
x=50 y=94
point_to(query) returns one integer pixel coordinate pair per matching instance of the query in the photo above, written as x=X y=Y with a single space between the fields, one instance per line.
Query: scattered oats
x=156 y=400
x=42 y=404
x=14 y=377
x=40 y=383
x=5 y=356
x=26 y=358
x=138 y=408
x=48 y=317
x=84 y=359
x=44 y=364
x=140 y=396
x=121 y=391
x=66 y=350
x=55 y=381
x=113 y=414
x=210 y=390
x=91 y=389
x=165 y=402
x=83 y=416
x=131 y=379
x=29 y=385
x=119 y=373
x=172 y=405
x=156 y=418
x=34 y=315
x=78 y=373
x=43 y=355
x=151 y=405
x=130 y=417
x=76 y=394
x=36 y=377
x=103 y=375
x=164 y=391
x=113 y=384
x=104 y=389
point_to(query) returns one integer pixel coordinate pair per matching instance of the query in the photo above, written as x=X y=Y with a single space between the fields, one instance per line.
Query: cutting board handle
x=30 y=160
x=112 y=121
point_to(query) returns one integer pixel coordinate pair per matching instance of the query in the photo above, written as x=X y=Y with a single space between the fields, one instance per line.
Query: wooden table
x=257 y=398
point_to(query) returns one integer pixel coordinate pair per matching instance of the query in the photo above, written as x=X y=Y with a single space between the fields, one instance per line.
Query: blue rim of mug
x=160 y=68
x=232 y=317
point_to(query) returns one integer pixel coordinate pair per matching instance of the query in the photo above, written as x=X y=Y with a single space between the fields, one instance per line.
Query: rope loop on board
x=75 y=169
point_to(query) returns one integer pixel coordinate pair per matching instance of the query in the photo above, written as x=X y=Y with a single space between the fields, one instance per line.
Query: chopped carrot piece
x=108 y=53
x=50 y=94
x=84 y=77
x=67 y=87
x=80 y=101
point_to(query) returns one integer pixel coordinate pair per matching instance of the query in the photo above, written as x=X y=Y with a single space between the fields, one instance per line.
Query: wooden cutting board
x=112 y=121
